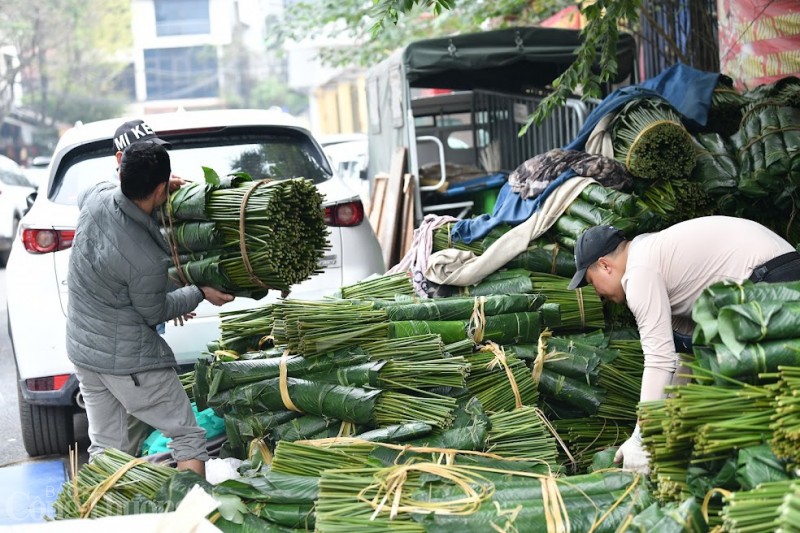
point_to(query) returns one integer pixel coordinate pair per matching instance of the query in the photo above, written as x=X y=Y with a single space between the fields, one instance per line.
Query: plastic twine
x=242 y=244
x=707 y=500
x=742 y=297
x=219 y=355
x=555 y=257
x=581 y=309
x=389 y=483
x=346 y=429
x=173 y=247
x=449 y=237
x=541 y=354
x=73 y=470
x=500 y=359
x=763 y=325
x=477 y=322
x=766 y=131
x=536 y=374
x=555 y=434
x=282 y=383
x=616 y=503
x=771 y=102
x=354 y=441
x=555 y=512
x=264 y=340
x=258 y=445
x=510 y=515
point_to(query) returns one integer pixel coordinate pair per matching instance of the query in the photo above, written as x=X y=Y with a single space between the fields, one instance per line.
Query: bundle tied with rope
x=500 y=381
x=767 y=148
x=588 y=387
x=348 y=385
x=110 y=485
x=478 y=494
x=725 y=112
x=650 y=139
x=512 y=323
x=242 y=236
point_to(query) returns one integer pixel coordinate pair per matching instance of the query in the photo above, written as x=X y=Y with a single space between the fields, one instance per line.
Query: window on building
x=182 y=17
x=189 y=72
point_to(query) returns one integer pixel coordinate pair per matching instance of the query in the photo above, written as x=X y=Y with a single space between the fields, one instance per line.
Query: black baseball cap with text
x=593 y=244
x=135 y=131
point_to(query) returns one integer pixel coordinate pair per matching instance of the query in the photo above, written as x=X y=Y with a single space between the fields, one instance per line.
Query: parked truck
x=460 y=145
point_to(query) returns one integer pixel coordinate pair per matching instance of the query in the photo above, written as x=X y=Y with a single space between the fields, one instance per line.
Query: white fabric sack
x=462 y=268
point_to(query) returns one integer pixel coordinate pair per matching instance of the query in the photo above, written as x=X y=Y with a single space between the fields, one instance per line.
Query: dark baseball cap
x=593 y=244
x=135 y=131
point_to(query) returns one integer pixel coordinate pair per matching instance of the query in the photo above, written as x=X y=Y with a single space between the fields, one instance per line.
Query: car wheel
x=46 y=429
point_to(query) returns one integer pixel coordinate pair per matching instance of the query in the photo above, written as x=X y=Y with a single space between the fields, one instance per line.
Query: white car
x=227 y=141
x=349 y=156
x=36 y=171
x=14 y=191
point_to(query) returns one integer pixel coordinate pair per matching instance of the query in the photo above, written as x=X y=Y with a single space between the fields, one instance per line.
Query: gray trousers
x=156 y=397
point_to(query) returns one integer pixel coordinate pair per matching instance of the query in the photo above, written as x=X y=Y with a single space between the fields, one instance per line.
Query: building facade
x=200 y=54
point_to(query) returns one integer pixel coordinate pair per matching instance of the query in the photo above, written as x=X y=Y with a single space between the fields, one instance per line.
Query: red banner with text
x=759 y=40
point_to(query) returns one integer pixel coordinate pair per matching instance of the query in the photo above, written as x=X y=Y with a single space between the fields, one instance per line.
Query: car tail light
x=345 y=214
x=42 y=241
x=47 y=383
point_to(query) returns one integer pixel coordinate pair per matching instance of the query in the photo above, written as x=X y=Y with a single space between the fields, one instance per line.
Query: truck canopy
x=509 y=60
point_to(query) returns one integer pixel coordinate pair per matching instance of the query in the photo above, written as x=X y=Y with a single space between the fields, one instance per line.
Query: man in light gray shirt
x=661 y=275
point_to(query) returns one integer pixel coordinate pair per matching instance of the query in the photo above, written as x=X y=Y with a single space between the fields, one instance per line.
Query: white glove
x=632 y=455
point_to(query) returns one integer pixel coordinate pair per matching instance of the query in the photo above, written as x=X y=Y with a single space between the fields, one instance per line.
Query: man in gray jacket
x=118 y=292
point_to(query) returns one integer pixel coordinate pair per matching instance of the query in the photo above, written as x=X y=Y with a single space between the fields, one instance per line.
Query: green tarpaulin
x=508 y=60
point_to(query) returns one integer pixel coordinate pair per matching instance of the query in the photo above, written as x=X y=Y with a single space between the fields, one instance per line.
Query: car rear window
x=261 y=155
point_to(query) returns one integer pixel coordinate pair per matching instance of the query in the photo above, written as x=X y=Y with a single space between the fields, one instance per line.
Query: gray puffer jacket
x=118 y=287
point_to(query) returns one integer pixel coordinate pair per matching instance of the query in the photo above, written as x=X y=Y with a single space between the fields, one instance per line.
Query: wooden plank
x=392 y=207
x=377 y=197
x=408 y=215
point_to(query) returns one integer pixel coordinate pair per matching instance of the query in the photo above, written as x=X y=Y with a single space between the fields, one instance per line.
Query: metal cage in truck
x=497 y=79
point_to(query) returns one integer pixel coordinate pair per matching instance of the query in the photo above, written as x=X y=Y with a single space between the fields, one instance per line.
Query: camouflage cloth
x=534 y=175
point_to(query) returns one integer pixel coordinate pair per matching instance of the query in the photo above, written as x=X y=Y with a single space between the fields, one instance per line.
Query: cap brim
x=578 y=280
x=162 y=142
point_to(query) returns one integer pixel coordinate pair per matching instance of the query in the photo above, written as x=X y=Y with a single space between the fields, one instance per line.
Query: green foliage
x=604 y=18
x=391 y=9
x=71 y=65
x=364 y=22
